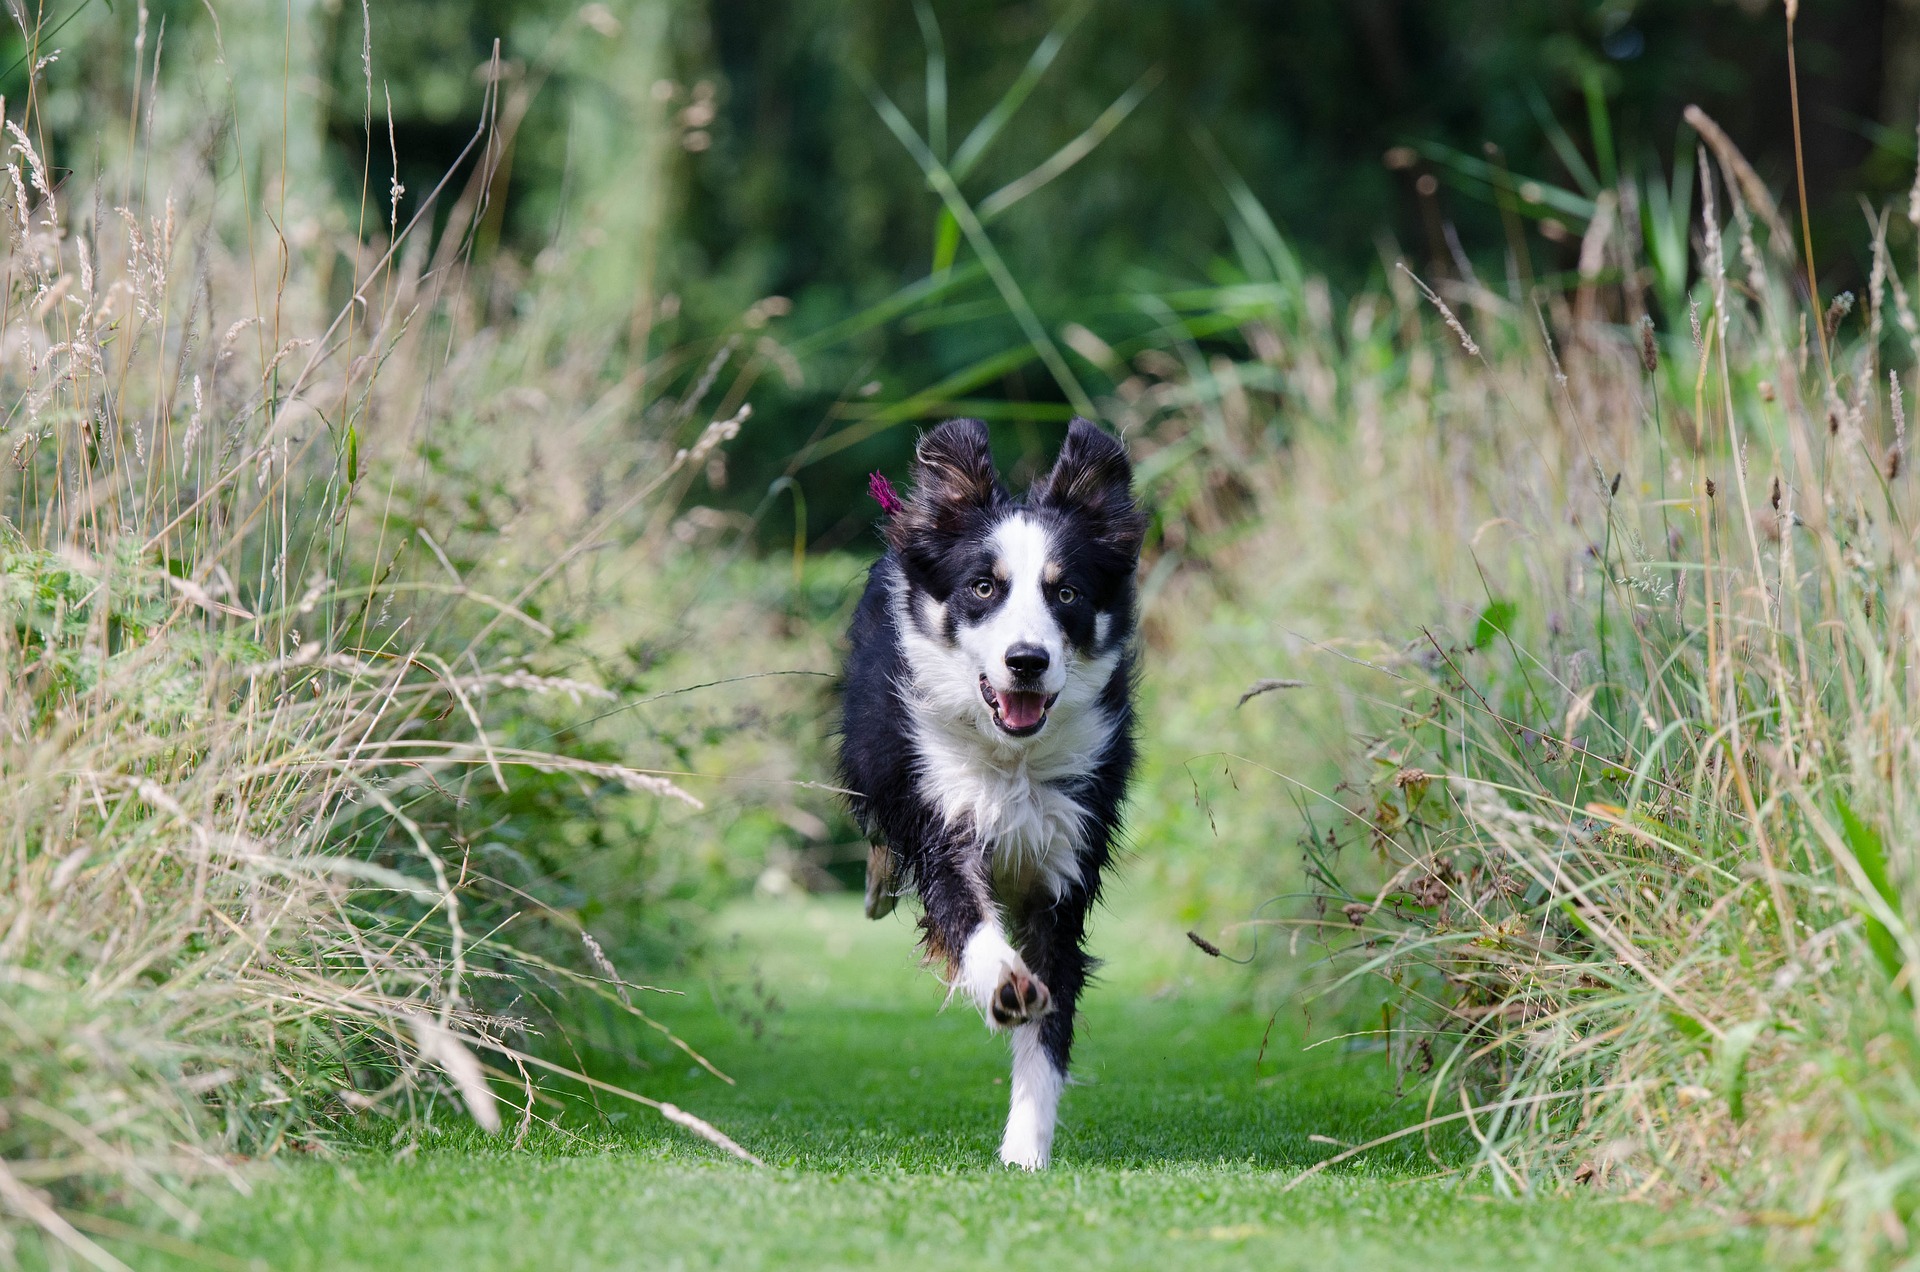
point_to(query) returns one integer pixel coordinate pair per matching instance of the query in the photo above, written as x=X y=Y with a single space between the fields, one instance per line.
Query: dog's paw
x=995 y=978
x=1027 y=1155
x=1018 y=998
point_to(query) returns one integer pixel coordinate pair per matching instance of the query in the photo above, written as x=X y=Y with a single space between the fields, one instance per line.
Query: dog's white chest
x=1033 y=831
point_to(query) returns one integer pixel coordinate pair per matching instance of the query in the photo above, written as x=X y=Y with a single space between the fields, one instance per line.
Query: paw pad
x=1019 y=998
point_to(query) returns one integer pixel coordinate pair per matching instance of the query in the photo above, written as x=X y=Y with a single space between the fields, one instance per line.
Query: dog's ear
x=953 y=478
x=1093 y=480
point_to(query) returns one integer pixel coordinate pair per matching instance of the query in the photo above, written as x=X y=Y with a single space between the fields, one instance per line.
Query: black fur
x=935 y=546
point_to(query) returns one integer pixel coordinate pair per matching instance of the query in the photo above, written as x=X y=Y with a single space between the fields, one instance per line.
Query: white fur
x=1035 y=1110
x=984 y=963
x=1010 y=789
x=1021 y=553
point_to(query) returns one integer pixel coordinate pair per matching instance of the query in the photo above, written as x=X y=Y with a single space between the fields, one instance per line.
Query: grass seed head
x=1836 y=313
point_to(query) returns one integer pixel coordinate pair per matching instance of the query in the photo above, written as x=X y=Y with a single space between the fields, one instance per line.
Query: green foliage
x=341 y=718
x=1525 y=113
x=1155 y=132
x=1864 y=842
x=1495 y=622
x=80 y=625
x=1730 y=1064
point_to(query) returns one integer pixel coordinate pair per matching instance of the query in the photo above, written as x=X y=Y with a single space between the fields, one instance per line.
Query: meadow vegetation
x=1621 y=855
x=391 y=684
x=293 y=782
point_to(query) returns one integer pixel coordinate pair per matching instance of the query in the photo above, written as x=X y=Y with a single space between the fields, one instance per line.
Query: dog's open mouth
x=1018 y=713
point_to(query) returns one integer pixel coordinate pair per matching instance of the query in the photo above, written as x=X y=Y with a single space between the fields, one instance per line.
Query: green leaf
x=1682 y=1023
x=1863 y=841
x=1495 y=620
x=994 y=120
x=946 y=241
x=1730 y=1064
x=943 y=184
x=1071 y=153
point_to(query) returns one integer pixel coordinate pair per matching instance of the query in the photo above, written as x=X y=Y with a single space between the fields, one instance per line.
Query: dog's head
x=1020 y=594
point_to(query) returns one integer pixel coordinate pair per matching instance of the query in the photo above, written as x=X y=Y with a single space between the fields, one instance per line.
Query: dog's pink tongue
x=1022 y=710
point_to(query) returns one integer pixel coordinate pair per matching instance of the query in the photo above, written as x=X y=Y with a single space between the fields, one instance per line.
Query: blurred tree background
x=1369 y=130
x=1365 y=128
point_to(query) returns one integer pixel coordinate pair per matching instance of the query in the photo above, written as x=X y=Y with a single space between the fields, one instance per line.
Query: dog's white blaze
x=982 y=964
x=1012 y=790
x=1021 y=553
x=1035 y=1109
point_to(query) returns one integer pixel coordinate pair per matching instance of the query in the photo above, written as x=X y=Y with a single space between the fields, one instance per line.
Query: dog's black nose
x=1027 y=660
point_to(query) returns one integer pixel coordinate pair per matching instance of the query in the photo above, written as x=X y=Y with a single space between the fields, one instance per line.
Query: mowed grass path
x=879 y=1115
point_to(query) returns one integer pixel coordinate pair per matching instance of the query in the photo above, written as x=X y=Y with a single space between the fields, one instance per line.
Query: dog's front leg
x=1052 y=936
x=963 y=928
x=1034 y=1108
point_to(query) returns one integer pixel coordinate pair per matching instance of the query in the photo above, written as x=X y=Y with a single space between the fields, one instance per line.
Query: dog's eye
x=983 y=588
x=1066 y=595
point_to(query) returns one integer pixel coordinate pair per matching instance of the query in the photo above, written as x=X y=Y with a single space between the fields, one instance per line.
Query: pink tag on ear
x=882 y=491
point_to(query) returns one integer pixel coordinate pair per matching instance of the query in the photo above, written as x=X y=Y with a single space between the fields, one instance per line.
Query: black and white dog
x=988 y=731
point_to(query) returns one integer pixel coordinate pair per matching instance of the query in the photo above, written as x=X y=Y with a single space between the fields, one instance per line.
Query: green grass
x=879 y=1115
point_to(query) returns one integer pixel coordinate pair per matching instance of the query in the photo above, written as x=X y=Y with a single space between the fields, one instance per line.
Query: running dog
x=988 y=730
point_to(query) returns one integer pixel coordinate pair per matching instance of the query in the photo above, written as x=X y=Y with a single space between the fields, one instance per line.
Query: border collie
x=988 y=730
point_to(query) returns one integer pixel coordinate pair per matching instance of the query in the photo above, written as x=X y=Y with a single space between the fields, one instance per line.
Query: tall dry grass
x=238 y=671
x=1624 y=870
